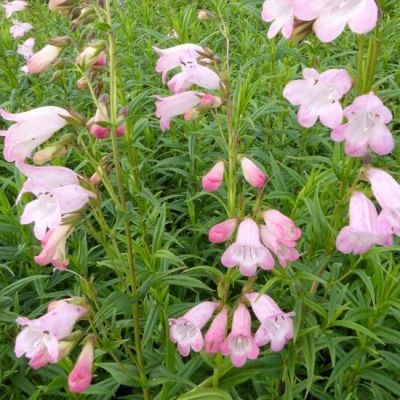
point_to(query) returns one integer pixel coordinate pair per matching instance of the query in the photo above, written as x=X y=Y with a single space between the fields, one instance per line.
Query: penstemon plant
x=284 y=301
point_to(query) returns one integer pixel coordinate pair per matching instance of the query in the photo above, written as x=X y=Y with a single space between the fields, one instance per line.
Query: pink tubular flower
x=333 y=16
x=14 y=6
x=318 y=95
x=282 y=13
x=19 y=29
x=26 y=49
x=53 y=247
x=39 y=339
x=178 y=104
x=252 y=173
x=171 y=58
x=215 y=335
x=92 y=56
x=32 y=128
x=387 y=191
x=223 y=231
x=58 y=193
x=366 y=127
x=186 y=330
x=212 y=181
x=193 y=73
x=276 y=326
x=280 y=235
x=365 y=229
x=81 y=376
x=247 y=251
x=240 y=343
x=99 y=131
x=42 y=60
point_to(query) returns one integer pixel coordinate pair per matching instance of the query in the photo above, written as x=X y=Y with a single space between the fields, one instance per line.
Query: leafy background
x=347 y=338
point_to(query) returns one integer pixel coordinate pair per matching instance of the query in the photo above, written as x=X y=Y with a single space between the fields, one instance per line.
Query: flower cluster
x=329 y=17
x=50 y=338
x=192 y=72
x=276 y=328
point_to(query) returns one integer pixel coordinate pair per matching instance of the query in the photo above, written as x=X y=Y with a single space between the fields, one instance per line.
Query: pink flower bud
x=215 y=335
x=223 y=231
x=41 y=60
x=213 y=180
x=101 y=132
x=81 y=83
x=210 y=101
x=120 y=130
x=252 y=173
x=80 y=377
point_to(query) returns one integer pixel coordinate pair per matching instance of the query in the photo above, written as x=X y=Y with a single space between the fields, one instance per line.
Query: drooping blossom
x=332 y=16
x=223 y=231
x=80 y=377
x=40 y=338
x=252 y=173
x=26 y=49
x=215 y=336
x=170 y=58
x=53 y=247
x=186 y=330
x=280 y=235
x=366 y=127
x=18 y=29
x=248 y=251
x=240 y=344
x=13 y=6
x=97 y=130
x=193 y=73
x=178 y=104
x=32 y=128
x=276 y=326
x=57 y=192
x=212 y=181
x=318 y=96
x=42 y=60
x=387 y=191
x=365 y=229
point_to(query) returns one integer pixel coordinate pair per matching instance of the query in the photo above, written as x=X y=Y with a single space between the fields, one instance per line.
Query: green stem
x=119 y=178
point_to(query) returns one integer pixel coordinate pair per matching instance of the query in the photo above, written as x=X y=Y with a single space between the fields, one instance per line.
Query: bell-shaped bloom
x=26 y=49
x=212 y=181
x=332 y=16
x=13 y=6
x=281 y=13
x=42 y=60
x=223 y=231
x=178 y=104
x=193 y=73
x=58 y=193
x=318 y=96
x=39 y=338
x=18 y=29
x=366 y=127
x=247 y=251
x=276 y=326
x=365 y=229
x=240 y=344
x=186 y=330
x=80 y=377
x=282 y=227
x=97 y=130
x=387 y=191
x=53 y=247
x=171 y=58
x=252 y=173
x=32 y=128
x=215 y=336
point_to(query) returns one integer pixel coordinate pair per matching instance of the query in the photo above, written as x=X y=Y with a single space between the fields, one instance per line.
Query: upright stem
x=121 y=192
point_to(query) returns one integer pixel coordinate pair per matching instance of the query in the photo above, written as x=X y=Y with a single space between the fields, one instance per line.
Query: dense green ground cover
x=347 y=336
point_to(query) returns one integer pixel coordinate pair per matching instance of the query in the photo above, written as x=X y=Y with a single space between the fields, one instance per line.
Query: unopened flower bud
x=61 y=6
x=91 y=54
x=82 y=83
x=192 y=114
x=210 y=101
x=252 y=173
x=214 y=178
x=61 y=41
x=205 y=15
x=45 y=155
x=82 y=16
